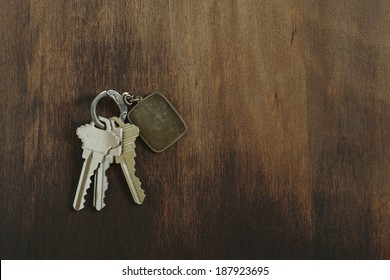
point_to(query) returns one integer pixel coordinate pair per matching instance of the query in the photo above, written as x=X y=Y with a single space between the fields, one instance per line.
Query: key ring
x=118 y=100
x=130 y=98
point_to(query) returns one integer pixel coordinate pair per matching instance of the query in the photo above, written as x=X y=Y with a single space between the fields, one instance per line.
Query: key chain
x=103 y=140
x=118 y=100
x=159 y=123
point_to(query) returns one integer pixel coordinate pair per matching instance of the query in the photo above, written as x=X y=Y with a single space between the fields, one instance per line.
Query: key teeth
x=101 y=204
x=87 y=185
x=104 y=192
x=89 y=181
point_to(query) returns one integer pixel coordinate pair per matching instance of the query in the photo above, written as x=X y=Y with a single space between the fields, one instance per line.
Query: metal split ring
x=118 y=100
x=130 y=98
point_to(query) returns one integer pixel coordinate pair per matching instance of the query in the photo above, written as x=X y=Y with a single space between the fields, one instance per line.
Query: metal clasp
x=118 y=100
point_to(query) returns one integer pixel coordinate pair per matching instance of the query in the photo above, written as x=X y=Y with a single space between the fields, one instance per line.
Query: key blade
x=81 y=191
x=90 y=164
x=127 y=165
x=101 y=183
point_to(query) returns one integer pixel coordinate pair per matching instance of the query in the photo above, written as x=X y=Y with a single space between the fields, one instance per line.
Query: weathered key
x=126 y=159
x=96 y=144
x=101 y=182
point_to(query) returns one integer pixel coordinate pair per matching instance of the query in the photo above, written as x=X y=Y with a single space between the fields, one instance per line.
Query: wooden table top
x=287 y=153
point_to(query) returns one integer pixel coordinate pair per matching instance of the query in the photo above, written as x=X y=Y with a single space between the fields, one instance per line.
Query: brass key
x=96 y=144
x=126 y=159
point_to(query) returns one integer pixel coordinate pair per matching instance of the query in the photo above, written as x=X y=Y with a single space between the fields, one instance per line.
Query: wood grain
x=287 y=154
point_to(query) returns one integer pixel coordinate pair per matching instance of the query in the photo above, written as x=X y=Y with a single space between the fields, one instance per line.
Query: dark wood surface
x=287 y=154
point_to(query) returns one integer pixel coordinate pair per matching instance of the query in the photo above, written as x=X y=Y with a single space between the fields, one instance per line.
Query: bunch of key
x=105 y=140
x=100 y=147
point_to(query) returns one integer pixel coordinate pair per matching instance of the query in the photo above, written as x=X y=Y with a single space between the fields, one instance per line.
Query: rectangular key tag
x=159 y=123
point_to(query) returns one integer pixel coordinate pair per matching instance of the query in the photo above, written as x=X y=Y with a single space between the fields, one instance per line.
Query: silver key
x=101 y=182
x=126 y=159
x=96 y=144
